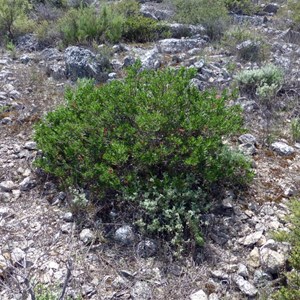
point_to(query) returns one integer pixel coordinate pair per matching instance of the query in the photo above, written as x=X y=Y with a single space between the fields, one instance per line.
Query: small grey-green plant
x=263 y=82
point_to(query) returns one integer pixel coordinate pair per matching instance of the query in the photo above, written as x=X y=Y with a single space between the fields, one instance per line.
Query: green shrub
x=212 y=14
x=263 y=82
x=291 y=291
x=141 y=29
x=114 y=22
x=83 y=25
x=151 y=139
x=13 y=18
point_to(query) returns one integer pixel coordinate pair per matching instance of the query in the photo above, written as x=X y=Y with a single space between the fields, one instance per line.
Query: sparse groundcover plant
x=291 y=290
x=263 y=82
x=13 y=17
x=152 y=142
x=212 y=14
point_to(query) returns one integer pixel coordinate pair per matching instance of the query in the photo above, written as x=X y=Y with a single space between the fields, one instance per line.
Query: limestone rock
x=253 y=259
x=245 y=286
x=251 y=239
x=87 y=236
x=27 y=184
x=141 y=291
x=282 y=149
x=200 y=295
x=124 y=235
x=7 y=186
x=82 y=62
x=247 y=138
x=179 y=45
x=146 y=248
x=272 y=262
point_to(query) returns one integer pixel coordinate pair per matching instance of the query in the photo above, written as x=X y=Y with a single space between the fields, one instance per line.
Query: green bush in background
x=212 y=14
x=13 y=18
x=112 y=23
x=151 y=139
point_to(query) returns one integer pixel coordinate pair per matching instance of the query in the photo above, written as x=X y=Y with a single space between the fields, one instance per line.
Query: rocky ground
x=42 y=246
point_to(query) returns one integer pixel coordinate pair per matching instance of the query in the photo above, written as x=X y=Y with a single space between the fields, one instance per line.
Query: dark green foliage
x=141 y=29
x=113 y=23
x=292 y=289
x=152 y=139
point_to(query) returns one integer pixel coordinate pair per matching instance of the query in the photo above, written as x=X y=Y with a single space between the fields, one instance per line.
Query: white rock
x=7 y=186
x=27 y=184
x=87 y=236
x=30 y=145
x=68 y=217
x=282 y=148
x=124 y=235
x=245 y=286
x=8 y=87
x=253 y=259
x=17 y=256
x=4 y=212
x=243 y=271
x=213 y=296
x=251 y=239
x=53 y=265
x=247 y=139
x=200 y=295
x=141 y=291
x=272 y=262
x=4 y=264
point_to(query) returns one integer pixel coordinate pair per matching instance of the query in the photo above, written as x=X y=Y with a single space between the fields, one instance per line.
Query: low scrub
x=151 y=142
x=263 y=82
x=115 y=22
x=13 y=18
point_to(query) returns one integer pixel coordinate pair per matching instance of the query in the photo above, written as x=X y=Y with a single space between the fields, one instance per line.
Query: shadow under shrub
x=152 y=141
